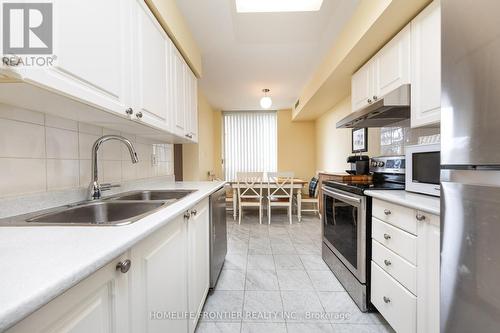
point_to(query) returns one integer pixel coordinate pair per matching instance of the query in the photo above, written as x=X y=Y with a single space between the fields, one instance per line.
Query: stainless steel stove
x=346 y=225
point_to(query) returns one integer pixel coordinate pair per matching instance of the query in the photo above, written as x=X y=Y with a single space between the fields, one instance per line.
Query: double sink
x=120 y=209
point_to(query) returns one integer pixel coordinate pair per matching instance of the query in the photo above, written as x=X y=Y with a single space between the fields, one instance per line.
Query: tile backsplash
x=40 y=152
x=394 y=138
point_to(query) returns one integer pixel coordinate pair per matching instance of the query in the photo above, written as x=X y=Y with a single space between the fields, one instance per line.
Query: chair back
x=280 y=184
x=249 y=184
x=313 y=187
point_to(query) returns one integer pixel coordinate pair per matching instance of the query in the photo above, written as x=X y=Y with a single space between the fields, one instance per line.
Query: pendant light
x=266 y=102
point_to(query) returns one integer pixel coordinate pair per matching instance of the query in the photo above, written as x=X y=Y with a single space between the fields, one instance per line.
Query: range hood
x=392 y=108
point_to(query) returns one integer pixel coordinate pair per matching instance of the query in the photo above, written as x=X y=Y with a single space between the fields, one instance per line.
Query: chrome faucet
x=95 y=187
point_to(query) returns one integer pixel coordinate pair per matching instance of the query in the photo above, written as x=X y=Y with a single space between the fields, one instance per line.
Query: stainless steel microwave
x=423 y=163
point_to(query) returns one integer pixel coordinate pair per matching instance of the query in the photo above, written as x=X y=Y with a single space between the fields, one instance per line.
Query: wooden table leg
x=299 y=205
x=235 y=204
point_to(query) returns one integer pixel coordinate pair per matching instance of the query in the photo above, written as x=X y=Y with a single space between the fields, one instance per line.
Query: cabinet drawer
x=396 y=215
x=397 y=240
x=396 y=304
x=397 y=267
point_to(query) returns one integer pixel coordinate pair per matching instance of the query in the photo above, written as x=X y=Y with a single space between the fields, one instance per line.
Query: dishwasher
x=218 y=234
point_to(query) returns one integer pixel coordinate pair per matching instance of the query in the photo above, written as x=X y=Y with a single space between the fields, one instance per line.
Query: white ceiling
x=244 y=53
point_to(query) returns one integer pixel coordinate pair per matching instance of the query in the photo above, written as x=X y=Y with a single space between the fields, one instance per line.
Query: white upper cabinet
x=191 y=89
x=152 y=69
x=426 y=67
x=392 y=64
x=362 y=87
x=179 y=94
x=93 y=49
x=114 y=56
x=386 y=71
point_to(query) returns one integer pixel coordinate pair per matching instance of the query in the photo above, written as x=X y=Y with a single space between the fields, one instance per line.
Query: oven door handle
x=342 y=196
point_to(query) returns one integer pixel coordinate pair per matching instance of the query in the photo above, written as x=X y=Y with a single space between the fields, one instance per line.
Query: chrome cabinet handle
x=369 y=101
x=387 y=299
x=129 y=111
x=187 y=215
x=375 y=98
x=194 y=212
x=387 y=212
x=387 y=236
x=138 y=115
x=124 y=266
x=387 y=262
x=189 y=135
x=420 y=217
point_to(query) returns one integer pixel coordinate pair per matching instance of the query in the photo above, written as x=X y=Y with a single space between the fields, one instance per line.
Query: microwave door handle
x=343 y=197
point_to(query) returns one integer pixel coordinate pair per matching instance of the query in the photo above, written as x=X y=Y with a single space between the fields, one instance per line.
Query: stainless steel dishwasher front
x=218 y=234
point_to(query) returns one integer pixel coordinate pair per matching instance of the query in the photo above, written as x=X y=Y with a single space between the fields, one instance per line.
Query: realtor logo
x=27 y=28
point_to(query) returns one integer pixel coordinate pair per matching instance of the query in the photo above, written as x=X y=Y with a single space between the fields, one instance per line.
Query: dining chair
x=249 y=185
x=280 y=192
x=311 y=197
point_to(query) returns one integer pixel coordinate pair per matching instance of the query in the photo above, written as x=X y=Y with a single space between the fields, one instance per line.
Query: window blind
x=250 y=142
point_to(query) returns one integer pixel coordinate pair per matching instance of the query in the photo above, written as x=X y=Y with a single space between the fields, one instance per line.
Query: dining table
x=297 y=186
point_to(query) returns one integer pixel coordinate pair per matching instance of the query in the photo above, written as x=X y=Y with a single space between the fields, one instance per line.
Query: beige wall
x=334 y=145
x=171 y=19
x=296 y=145
x=198 y=159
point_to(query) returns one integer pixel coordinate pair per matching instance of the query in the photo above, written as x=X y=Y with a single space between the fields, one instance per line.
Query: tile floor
x=274 y=280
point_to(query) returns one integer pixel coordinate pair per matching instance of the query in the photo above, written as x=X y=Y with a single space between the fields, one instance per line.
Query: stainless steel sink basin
x=153 y=195
x=120 y=209
x=98 y=213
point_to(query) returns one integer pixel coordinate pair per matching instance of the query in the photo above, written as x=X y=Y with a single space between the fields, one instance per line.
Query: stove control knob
x=374 y=164
x=380 y=164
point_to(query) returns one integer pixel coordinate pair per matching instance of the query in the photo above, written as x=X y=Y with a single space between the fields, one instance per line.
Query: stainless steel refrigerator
x=470 y=166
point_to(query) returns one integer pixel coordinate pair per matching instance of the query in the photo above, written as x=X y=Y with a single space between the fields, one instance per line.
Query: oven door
x=344 y=229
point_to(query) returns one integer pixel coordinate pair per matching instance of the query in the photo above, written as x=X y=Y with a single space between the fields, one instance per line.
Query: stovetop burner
x=361 y=187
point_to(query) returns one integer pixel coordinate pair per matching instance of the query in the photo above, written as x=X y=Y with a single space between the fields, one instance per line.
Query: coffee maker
x=358 y=165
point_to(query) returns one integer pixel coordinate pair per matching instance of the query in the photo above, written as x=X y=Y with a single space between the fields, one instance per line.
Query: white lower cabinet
x=395 y=302
x=99 y=303
x=198 y=260
x=405 y=267
x=159 y=280
x=163 y=290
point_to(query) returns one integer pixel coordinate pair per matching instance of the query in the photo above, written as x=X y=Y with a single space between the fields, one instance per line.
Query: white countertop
x=40 y=263
x=425 y=203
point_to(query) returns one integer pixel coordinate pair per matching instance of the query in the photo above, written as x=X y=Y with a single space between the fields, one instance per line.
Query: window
x=250 y=142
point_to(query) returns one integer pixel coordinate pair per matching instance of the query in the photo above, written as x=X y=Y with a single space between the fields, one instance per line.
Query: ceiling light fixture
x=270 y=6
x=266 y=102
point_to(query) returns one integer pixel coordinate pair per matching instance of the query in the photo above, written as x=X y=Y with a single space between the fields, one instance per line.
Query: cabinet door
x=152 y=69
x=93 y=48
x=426 y=67
x=192 y=105
x=159 y=280
x=179 y=94
x=428 y=250
x=392 y=64
x=97 y=304
x=198 y=258
x=362 y=87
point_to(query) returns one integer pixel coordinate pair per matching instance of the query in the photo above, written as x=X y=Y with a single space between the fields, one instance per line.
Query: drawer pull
x=387 y=236
x=387 y=300
x=387 y=262
x=420 y=217
x=387 y=212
